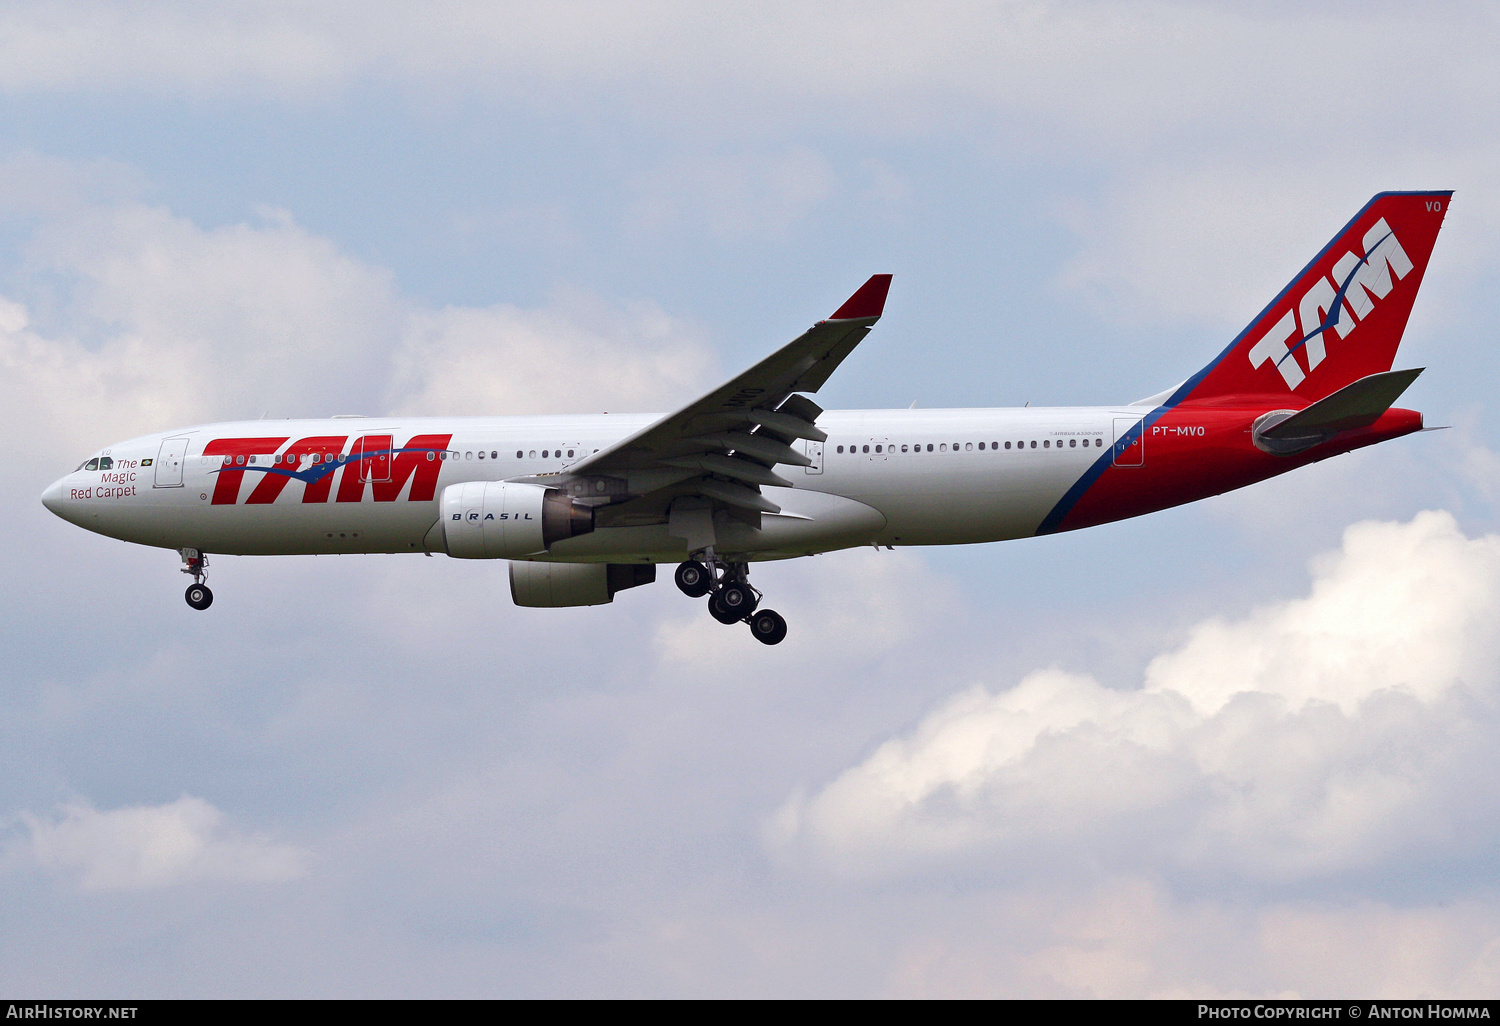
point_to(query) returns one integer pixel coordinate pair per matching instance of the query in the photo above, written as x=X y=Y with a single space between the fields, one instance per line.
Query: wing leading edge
x=725 y=445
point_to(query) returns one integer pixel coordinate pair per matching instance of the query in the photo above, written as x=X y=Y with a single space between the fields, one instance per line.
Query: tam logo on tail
x=1324 y=308
x=1341 y=318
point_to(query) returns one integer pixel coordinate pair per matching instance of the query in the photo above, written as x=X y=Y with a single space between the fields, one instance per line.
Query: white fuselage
x=889 y=477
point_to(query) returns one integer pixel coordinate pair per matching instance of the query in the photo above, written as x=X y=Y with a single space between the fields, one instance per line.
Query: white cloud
x=146 y=847
x=1127 y=936
x=575 y=356
x=1125 y=72
x=1336 y=732
x=160 y=322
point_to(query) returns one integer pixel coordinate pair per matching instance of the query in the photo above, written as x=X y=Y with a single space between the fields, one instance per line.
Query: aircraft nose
x=52 y=498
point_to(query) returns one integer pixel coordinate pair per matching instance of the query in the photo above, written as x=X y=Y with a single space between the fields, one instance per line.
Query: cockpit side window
x=92 y=464
x=106 y=463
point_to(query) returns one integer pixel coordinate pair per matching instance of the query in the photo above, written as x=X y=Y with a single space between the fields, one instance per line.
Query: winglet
x=869 y=301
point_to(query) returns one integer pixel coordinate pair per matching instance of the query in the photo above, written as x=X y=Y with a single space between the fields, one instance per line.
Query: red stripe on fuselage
x=227 y=485
x=1192 y=452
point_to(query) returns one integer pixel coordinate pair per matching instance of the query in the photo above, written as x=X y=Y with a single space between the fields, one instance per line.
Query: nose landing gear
x=731 y=599
x=198 y=596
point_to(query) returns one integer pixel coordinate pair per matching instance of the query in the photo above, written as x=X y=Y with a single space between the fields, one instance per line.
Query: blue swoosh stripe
x=321 y=470
x=1338 y=302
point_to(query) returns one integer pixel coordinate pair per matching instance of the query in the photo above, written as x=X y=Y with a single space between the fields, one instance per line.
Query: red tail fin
x=1342 y=317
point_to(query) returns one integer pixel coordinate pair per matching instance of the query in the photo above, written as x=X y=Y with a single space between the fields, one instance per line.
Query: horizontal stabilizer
x=1355 y=405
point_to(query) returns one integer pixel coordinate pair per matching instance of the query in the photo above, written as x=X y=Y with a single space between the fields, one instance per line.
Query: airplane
x=584 y=507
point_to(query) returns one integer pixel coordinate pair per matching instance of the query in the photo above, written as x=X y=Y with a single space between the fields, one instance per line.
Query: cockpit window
x=92 y=464
x=105 y=463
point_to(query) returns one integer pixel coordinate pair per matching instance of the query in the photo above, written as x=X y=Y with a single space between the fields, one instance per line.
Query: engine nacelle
x=574 y=584
x=506 y=519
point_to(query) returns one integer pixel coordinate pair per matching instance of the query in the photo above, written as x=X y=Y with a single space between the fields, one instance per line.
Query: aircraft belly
x=809 y=522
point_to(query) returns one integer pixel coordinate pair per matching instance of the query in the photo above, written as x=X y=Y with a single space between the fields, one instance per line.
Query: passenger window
x=981 y=447
x=877 y=448
x=494 y=455
x=570 y=454
x=1033 y=443
x=468 y=455
x=533 y=454
x=1046 y=443
x=968 y=446
x=545 y=455
x=867 y=448
x=1072 y=443
x=518 y=454
x=903 y=448
x=481 y=454
x=1007 y=445
x=431 y=455
x=841 y=448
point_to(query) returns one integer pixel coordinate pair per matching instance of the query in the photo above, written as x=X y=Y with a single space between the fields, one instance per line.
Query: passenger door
x=169 y=463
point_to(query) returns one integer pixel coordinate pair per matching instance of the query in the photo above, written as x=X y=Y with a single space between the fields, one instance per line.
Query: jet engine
x=506 y=519
x=575 y=584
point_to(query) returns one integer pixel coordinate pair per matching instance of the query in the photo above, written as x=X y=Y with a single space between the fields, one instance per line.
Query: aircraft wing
x=724 y=445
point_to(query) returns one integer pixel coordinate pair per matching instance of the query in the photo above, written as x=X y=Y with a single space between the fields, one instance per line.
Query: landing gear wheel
x=693 y=579
x=717 y=610
x=198 y=596
x=768 y=627
x=737 y=598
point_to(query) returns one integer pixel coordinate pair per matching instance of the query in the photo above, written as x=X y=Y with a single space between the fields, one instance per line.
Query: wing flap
x=736 y=495
x=728 y=466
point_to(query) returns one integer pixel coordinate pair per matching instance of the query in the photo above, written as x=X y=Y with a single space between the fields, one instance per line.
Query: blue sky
x=1243 y=747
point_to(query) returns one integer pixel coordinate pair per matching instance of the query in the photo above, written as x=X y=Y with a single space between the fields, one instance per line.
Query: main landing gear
x=198 y=596
x=731 y=599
